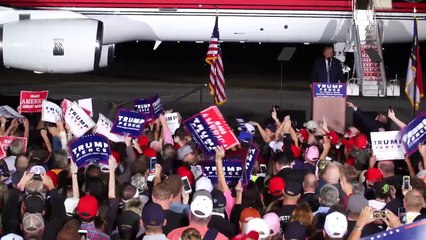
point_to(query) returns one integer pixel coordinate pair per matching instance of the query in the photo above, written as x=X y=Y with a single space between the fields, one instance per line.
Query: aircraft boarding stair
x=368 y=53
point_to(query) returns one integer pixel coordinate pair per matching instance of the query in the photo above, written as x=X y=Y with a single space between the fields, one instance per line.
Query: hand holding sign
x=220 y=153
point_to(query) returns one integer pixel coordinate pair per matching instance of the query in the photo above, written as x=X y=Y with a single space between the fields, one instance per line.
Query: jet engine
x=52 y=45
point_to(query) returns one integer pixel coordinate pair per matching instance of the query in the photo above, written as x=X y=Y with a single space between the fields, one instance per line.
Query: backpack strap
x=211 y=234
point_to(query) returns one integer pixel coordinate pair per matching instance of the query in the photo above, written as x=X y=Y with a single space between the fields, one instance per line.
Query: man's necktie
x=328 y=70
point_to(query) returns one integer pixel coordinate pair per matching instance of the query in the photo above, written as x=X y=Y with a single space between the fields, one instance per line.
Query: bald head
x=414 y=201
x=332 y=173
x=387 y=168
x=310 y=183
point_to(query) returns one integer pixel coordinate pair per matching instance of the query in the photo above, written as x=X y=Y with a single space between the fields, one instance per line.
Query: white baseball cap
x=71 y=204
x=203 y=183
x=258 y=225
x=11 y=236
x=336 y=225
x=277 y=146
x=202 y=204
x=37 y=169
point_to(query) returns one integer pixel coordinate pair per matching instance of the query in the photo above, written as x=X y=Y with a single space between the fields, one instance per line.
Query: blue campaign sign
x=157 y=107
x=252 y=154
x=143 y=106
x=90 y=149
x=202 y=134
x=232 y=168
x=129 y=123
x=333 y=90
x=151 y=107
x=414 y=134
x=416 y=230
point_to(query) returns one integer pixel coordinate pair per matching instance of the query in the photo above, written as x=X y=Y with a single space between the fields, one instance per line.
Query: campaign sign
x=232 y=169
x=5 y=142
x=50 y=112
x=252 y=154
x=104 y=125
x=202 y=134
x=219 y=127
x=2 y=153
x=151 y=107
x=414 y=134
x=31 y=101
x=78 y=120
x=172 y=120
x=86 y=105
x=93 y=148
x=129 y=123
x=415 y=230
x=65 y=104
x=333 y=90
x=387 y=145
x=157 y=108
x=8 y=112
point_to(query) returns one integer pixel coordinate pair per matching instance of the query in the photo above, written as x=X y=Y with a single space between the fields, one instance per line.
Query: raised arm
x=262 y=132
x=73 y=172
x=112 y=164
x=392 y=116
x=167 y=135
x=422 y=150
x=46 y=140
x=220 y=154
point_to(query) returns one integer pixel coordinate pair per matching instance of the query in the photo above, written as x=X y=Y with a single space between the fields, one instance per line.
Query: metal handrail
x=358 y=58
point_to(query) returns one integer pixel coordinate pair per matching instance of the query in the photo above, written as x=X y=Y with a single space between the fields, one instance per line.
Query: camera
x=37 y=177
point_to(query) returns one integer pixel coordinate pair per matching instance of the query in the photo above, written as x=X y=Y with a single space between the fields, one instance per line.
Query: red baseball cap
x=360 y=141
x=334 y=137
x=305 y=134
x=116 y=155
x=276 y=186
x=143 y=141
x=185 y=172
x=87 y=207
x=373 y=175
x=149 y=152
x=53 y=176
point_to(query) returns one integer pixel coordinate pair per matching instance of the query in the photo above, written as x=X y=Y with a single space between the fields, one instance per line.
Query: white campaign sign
x=387 y=145
x=78 y=120
x=104 y=126
x=50 y=112
x=9 y=112
x=86 y=104
x=172 y=121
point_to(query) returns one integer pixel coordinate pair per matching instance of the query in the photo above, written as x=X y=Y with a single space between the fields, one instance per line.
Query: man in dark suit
x=327 y=69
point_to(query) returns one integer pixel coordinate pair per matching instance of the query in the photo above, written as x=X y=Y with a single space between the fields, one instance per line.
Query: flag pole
x=414 y=85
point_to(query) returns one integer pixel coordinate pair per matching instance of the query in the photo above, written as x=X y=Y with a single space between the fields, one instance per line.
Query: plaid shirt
x=93 y=233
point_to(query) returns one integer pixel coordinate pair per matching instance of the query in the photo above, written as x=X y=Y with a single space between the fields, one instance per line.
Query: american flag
x=414 y=81
x=214 y=58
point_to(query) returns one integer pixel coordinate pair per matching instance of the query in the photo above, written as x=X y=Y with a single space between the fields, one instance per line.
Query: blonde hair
x=191 y=234
x=161 y=191
x=302 y=213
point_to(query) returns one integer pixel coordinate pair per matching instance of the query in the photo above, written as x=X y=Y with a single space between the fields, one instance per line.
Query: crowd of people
x=319 y=184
